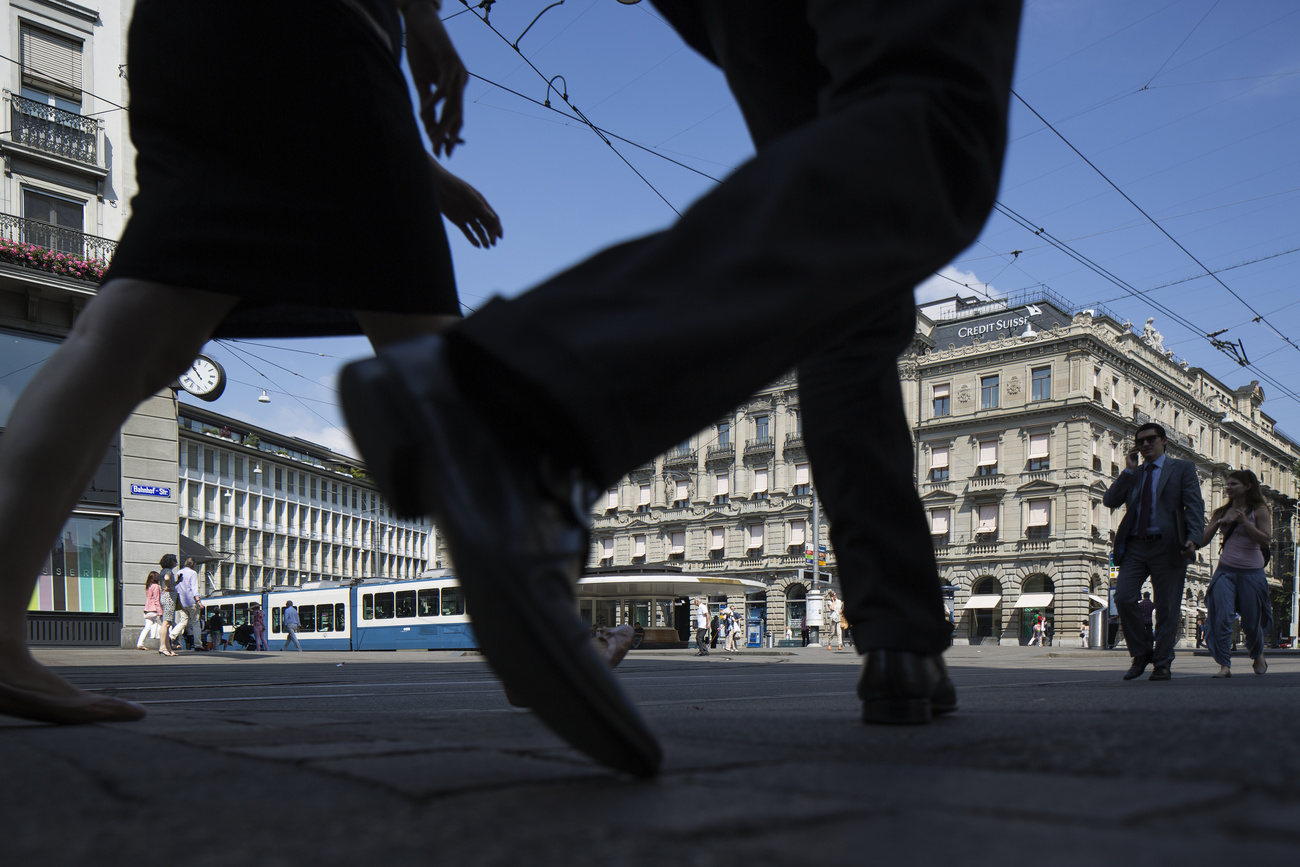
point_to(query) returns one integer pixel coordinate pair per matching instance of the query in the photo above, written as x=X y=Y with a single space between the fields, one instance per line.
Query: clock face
x=205 y=379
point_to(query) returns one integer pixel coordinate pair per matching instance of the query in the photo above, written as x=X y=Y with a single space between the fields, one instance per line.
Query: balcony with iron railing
x=759 y=445
x=55 y=131
x=56 y=249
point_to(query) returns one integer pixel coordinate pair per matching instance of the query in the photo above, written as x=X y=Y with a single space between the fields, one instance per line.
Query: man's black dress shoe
x=1139 y=665
x=904 y=688
x=517 y=530
x=1161 y=672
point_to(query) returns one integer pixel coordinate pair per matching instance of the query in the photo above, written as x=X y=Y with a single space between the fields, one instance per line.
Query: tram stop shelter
x=657 y=599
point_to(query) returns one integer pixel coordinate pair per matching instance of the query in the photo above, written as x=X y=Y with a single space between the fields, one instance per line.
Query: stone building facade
x=1022 y=409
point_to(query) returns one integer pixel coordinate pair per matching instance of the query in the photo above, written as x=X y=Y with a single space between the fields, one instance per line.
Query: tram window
x=383 y=606
x=341 y=617
x=324 y=618
x=241 y=614
x=368 y=606
x=406 y=603
x=307 y=618
x=275 y=619
x=227 y=614
x=429 y=602
x=453 y=601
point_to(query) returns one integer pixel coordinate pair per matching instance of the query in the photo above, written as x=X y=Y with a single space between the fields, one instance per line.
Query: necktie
x=1144 y=507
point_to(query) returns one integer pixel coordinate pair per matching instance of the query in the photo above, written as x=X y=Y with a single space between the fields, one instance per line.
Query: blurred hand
x=466 y=208
x=438 y=73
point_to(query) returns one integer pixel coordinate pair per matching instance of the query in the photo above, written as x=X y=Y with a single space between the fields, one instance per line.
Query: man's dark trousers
x=1168 y=574
x=880 y=129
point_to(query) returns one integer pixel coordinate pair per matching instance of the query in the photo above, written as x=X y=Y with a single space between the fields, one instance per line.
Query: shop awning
x=1100 y=600
x=990 y=601
x=663 y=584
x=200 y=553
x=1034 y=600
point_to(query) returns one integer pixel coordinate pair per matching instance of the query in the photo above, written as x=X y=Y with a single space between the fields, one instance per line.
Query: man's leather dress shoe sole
x=901 y=688
x=517 y=531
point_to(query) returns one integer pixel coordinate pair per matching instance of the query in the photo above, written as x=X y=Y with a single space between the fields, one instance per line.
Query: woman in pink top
x=152 y=610
x=259 y=628
x=1238 y=585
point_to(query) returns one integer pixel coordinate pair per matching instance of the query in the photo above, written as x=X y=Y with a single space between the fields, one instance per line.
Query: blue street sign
x=151 y=491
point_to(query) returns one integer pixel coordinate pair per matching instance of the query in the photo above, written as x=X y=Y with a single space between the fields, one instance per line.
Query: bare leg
x=131 y=341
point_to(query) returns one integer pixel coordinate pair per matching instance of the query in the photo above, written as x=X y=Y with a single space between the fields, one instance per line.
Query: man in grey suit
x=1163 y=522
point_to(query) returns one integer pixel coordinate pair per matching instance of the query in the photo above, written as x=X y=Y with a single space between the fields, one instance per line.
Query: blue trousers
x=1240 y=591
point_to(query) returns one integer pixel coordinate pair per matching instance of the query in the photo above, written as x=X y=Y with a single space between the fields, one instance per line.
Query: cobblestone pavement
x=331 y=758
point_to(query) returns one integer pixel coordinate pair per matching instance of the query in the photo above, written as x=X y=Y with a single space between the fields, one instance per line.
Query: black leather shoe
x=517 y=530
x=898 y=687
x=1139 y=665
x=1161 y=672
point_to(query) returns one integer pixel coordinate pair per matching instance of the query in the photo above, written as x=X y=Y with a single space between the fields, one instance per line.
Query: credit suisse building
x=1023 y=409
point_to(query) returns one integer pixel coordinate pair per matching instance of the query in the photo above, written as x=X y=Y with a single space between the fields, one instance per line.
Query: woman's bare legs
x=128 y=343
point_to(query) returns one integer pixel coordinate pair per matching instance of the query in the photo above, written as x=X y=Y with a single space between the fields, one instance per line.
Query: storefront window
x=21 y=356
x=80 y=574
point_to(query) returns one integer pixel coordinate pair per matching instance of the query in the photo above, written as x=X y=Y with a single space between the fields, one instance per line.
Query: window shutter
x=801 y=474
x=755 y=535
x=988 y=454
x=606 y=548
x=941 y=391
x=50 y=61
x=939 y=458
x=682 y=489
x=611 y=499
x=939 y=522
x=644 y=496
x=988 y=519
x=638 y=546
x=797 y=532
x=760 y=480
x=1038 y=512
x=1038 y=445
x=679 y=542
x=716 y=538
x=724 y=484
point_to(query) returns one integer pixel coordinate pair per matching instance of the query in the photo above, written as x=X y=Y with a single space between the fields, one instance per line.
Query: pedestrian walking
x=1245 y=528
x=835 y=613
x=259 y=626
x=202 y=193
x=701 y=627
x=289 y=622
x=152 y=610
x=889 y=116
x=1164 y=519
x=1083 y=634
x=168 y=619
x=190 y=607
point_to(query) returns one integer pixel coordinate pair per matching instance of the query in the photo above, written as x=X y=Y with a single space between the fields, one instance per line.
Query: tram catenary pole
x=1295 y=582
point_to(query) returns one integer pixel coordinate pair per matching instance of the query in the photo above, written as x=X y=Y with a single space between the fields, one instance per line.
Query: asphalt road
x=328 y=758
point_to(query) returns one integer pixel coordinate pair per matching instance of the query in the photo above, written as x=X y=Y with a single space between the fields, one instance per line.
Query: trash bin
x=1097 y=632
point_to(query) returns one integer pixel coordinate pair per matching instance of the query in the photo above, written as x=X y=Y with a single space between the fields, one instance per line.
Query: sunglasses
x=1144 y=440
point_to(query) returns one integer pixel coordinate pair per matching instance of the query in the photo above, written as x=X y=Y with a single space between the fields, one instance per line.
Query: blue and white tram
x=427 y=613
x=424 y=614
x=323 y=615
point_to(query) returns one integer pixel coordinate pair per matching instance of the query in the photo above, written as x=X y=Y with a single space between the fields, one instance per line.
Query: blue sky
x=1188 y=108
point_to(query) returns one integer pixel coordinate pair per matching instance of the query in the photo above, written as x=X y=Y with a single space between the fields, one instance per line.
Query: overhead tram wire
x=565 y=97
x=1025 y=223
x=599 y=129
x=1259 y=317
x=239 y=353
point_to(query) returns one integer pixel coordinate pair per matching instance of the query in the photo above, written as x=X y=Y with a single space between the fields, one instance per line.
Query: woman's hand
x=466 y=208
x=439 y=75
